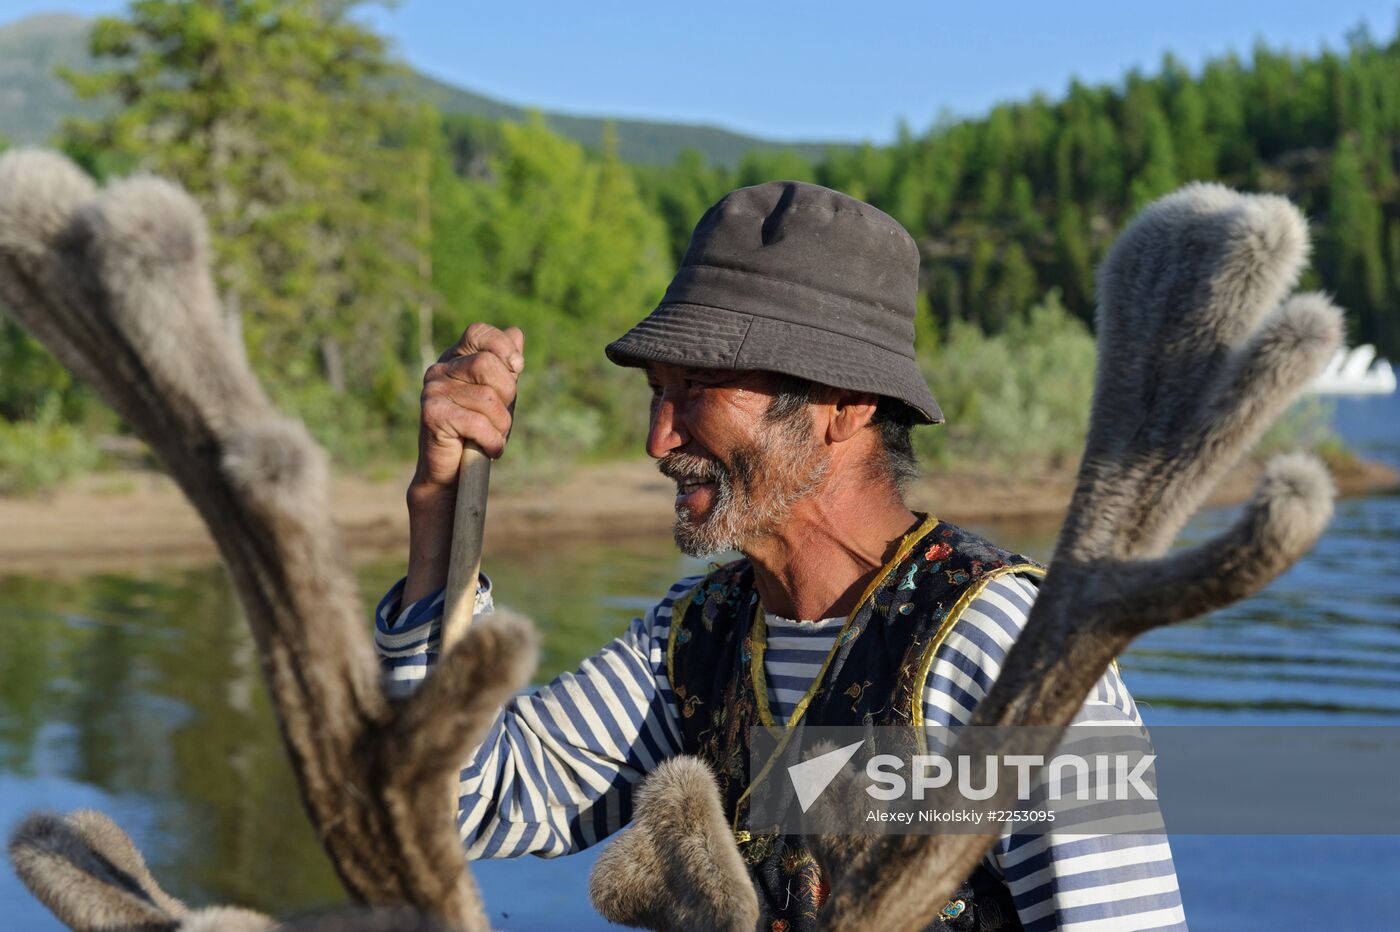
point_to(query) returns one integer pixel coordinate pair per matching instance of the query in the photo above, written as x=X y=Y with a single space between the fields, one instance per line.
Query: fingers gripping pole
x=468 y=527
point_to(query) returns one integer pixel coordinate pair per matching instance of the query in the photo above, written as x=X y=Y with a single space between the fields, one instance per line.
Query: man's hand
x=468 y=397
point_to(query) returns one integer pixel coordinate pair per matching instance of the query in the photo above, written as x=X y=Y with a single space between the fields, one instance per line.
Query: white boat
x=1355 y=372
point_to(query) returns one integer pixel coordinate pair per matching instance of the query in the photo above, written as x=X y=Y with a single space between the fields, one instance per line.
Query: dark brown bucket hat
x=794 y=278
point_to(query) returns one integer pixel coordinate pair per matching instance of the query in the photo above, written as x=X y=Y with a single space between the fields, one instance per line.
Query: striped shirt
x=556 y=772
x=792 y=659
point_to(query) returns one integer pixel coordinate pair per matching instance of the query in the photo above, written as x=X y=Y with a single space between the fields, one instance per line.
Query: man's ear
x=850 y=412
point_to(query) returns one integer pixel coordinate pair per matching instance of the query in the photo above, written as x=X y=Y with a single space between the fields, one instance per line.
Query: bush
x=37 y=454
x=1307 y=425
x=1016 y=401
x=355 y=434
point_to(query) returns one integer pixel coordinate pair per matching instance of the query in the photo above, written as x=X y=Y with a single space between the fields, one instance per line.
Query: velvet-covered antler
x=90 y=873
x=676 y=867
x=116 y=284
x=1200 y=348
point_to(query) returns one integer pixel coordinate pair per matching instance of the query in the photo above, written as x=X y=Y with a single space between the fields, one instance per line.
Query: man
x=784 y=389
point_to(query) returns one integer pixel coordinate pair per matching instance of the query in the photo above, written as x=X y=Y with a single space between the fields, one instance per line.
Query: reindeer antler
x=89 y=873
x=117 y=285
x=1198 y=353
x=676 y=867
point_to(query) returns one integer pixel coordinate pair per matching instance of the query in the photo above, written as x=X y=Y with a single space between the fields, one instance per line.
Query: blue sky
x=818 y=69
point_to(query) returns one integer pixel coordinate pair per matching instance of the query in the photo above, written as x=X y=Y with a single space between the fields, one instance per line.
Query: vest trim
x=926 y=661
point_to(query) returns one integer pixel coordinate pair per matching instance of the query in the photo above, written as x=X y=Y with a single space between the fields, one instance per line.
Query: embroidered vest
x=874 y=675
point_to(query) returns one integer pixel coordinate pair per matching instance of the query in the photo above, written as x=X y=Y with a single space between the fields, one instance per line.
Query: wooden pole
x=468 y=527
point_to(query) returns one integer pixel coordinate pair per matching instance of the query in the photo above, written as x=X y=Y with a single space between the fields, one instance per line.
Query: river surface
x=139 y=694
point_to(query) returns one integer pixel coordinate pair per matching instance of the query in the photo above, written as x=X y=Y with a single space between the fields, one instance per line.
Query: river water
x=139 y=694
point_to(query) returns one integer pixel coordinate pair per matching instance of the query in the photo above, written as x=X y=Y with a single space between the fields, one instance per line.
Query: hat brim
x=716 y=338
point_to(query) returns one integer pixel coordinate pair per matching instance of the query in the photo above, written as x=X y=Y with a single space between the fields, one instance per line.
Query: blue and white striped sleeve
x=555 y=773
x=1082 y=883
x=408 y=637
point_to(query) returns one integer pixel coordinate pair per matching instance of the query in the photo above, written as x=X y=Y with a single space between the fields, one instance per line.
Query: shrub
x=1018 y=401
x=37 y=454
x=1015 y=401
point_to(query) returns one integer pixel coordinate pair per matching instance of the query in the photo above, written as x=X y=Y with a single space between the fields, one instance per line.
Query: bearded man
x=784 y=389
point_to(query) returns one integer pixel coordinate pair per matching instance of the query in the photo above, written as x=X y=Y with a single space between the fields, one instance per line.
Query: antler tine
x=118 y=286
x=146 y=242
x=39 y=193
x=1259 y=381
x=435 y=730
x=452 y=711
x=1181 y=291
x=676 y=867
x=89 y=875
x=1201 y=265
x=104 y=836
x=1289 y=510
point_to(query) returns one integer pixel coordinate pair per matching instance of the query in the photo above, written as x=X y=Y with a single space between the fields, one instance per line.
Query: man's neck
x=828 y=550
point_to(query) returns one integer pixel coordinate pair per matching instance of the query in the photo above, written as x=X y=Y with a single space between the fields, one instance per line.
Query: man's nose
x=666 y=432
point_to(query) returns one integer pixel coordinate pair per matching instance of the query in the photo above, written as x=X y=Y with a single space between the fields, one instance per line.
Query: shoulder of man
x=657 y=621
x=994 y=618
x=654 y=630
x=971 y=658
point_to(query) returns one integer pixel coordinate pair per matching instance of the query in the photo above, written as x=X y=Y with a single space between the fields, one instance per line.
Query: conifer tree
x=274 y=115
x=1351 y=256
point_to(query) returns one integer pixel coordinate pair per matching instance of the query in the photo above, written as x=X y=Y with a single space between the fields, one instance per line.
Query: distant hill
x=33 y=102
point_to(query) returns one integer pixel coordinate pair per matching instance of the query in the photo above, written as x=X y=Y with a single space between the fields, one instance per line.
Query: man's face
x=738 y=469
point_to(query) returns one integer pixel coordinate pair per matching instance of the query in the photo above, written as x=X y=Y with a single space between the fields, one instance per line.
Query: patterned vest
x=874 y=675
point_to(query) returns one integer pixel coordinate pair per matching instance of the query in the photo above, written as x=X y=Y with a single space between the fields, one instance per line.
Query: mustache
x=686 y=467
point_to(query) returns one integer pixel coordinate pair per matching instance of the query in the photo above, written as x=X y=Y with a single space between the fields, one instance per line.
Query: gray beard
x=782 y=461
x=718 y=534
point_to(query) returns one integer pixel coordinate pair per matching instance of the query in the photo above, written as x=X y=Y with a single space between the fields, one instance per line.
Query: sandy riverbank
x=126 y=520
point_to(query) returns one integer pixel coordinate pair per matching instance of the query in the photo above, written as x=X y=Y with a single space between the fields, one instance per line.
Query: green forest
x=357 y=230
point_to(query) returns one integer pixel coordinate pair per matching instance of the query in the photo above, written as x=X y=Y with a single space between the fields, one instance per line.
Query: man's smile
x=695 y=495
x=697 y=480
